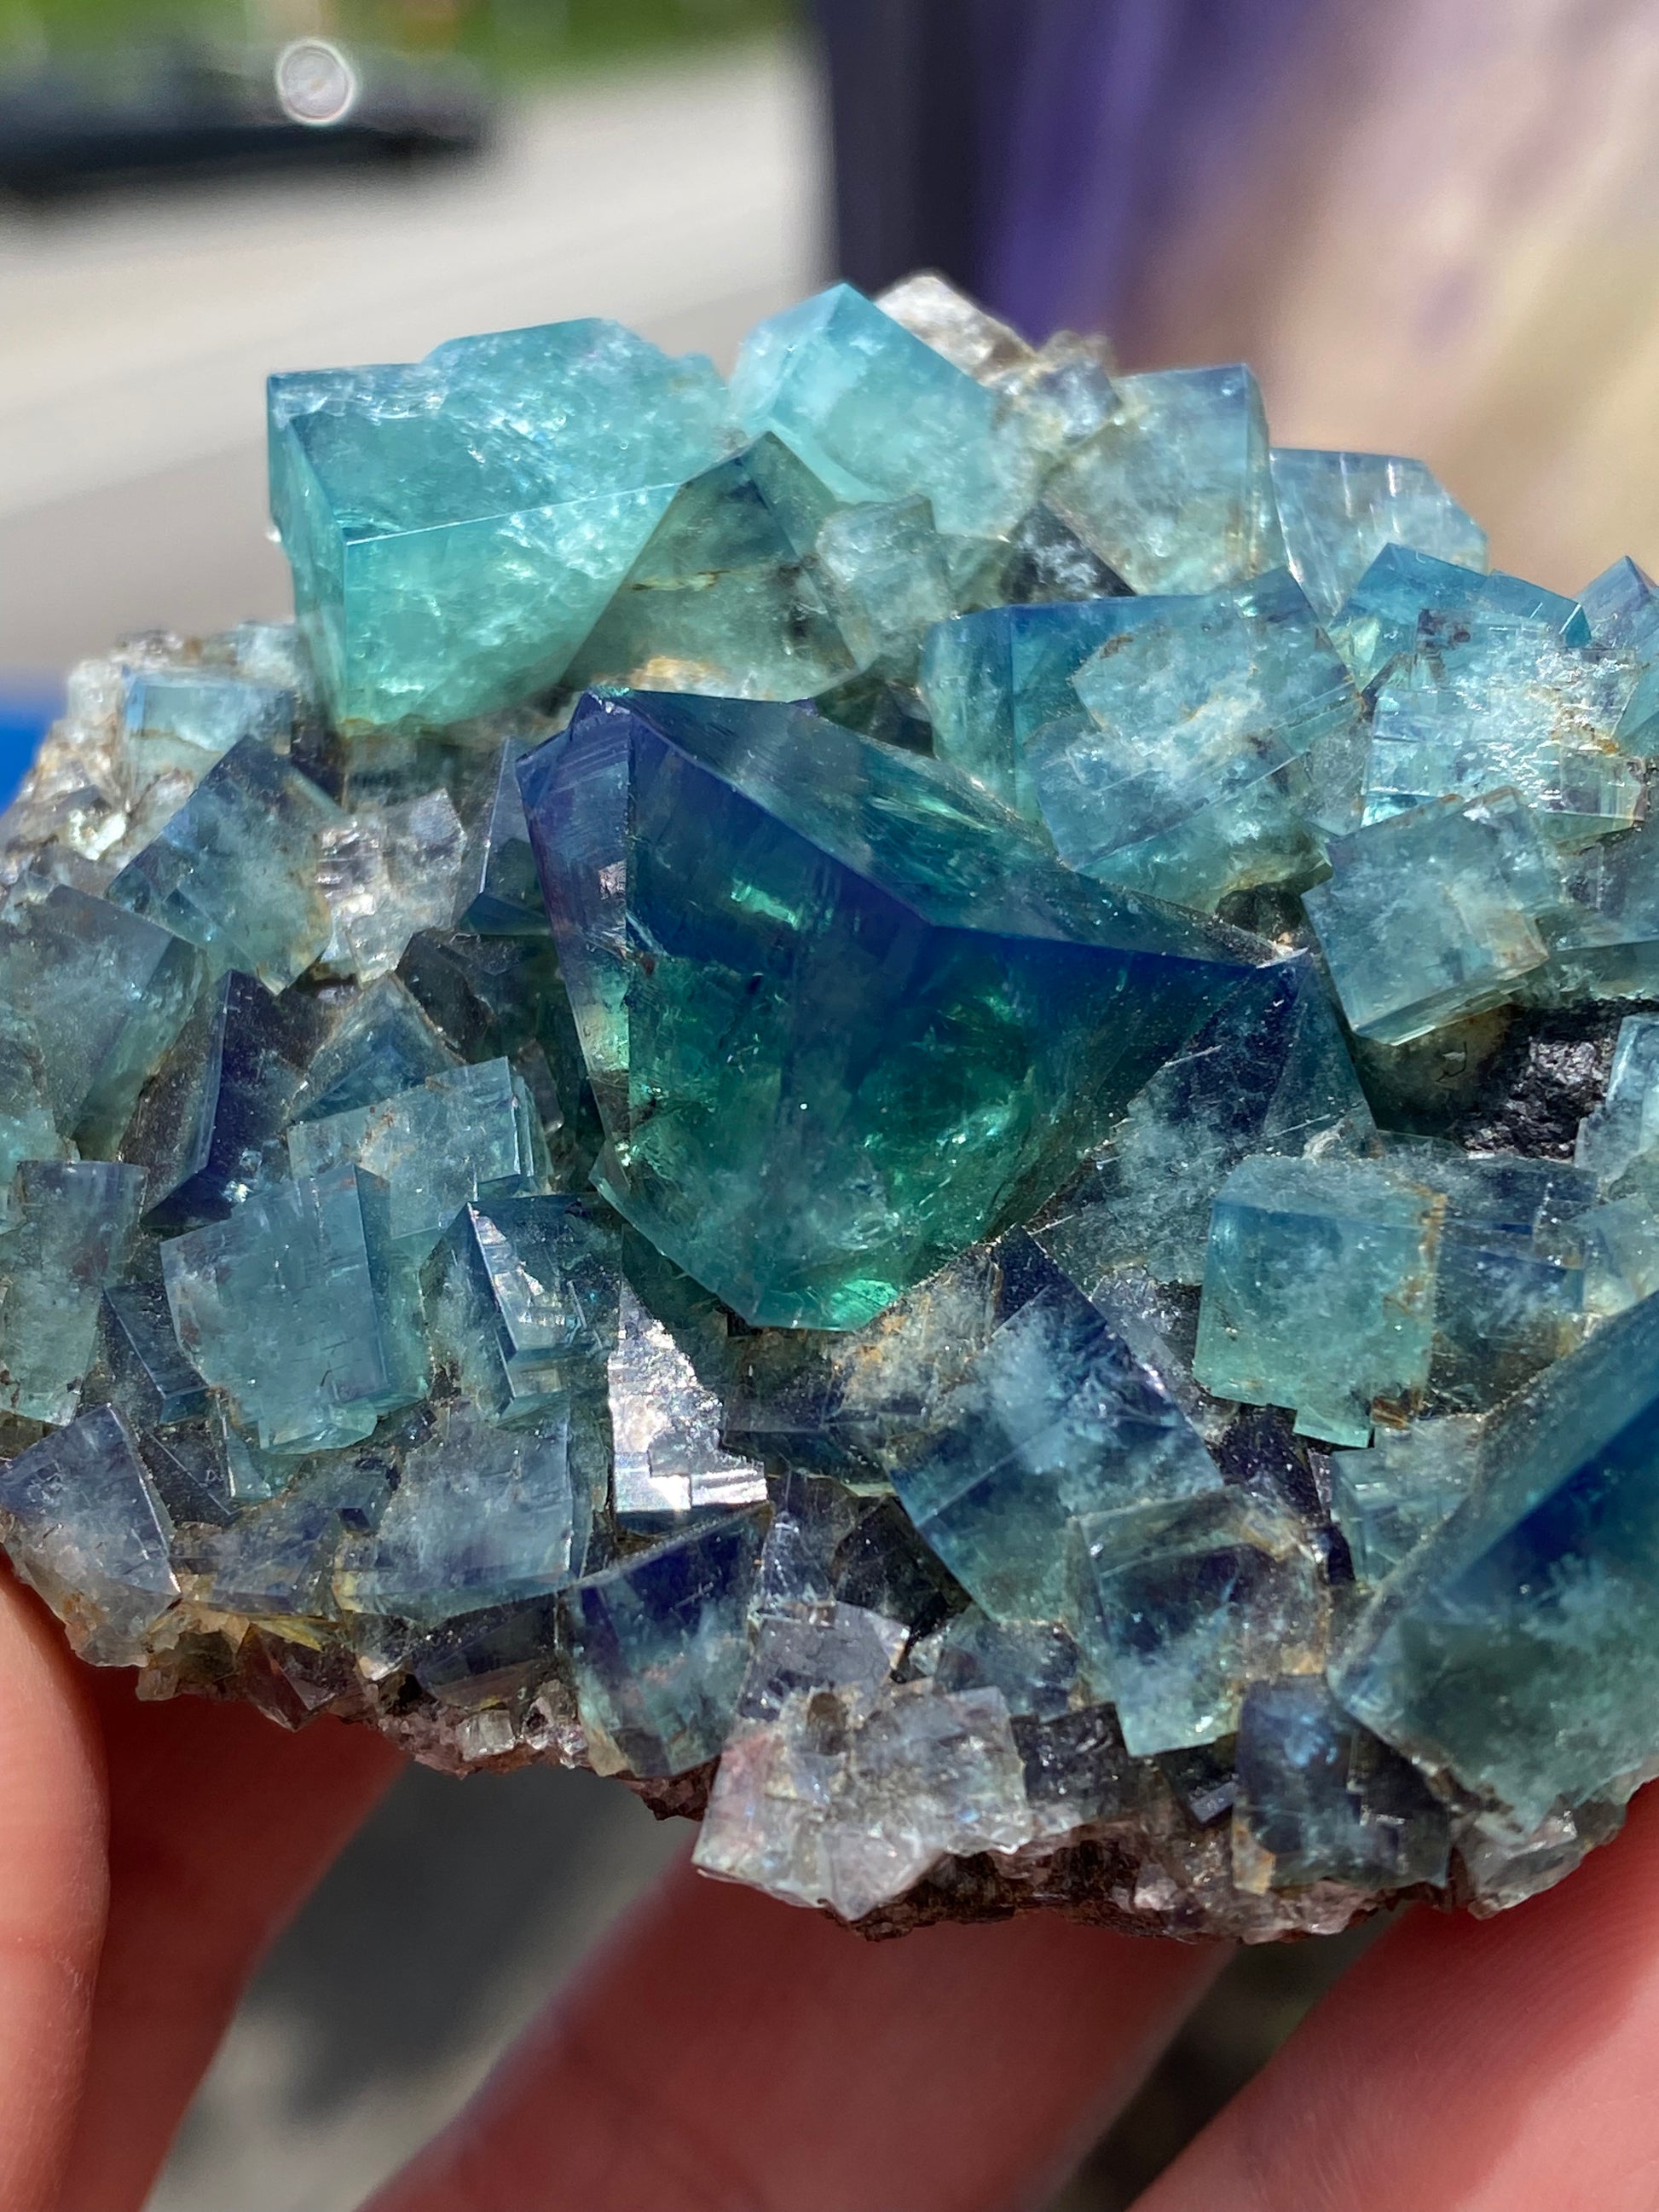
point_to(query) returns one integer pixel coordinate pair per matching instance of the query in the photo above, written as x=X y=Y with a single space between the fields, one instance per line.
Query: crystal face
x=918 y=1098
x=841 y=1015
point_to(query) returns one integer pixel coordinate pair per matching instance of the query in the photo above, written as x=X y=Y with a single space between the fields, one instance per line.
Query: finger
x=52 y=1898
x=1465 y=2066
x=220 y=1824
x=727 y=2053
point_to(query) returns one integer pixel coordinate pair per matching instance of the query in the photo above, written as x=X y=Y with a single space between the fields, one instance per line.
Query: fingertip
x=53 y=1896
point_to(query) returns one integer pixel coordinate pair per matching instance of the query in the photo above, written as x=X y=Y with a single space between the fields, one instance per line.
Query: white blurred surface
x=439 y=1935
x=138 y=331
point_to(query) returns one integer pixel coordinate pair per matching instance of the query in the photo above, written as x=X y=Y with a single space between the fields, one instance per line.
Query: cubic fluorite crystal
x=917 y=1099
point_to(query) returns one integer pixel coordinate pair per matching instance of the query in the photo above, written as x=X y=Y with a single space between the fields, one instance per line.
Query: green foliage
x=514 y=37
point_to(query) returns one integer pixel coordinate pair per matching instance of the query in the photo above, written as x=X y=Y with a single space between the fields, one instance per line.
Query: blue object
x=29 y=704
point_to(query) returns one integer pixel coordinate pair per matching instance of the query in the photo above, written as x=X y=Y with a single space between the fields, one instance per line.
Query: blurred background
x=1432 y=229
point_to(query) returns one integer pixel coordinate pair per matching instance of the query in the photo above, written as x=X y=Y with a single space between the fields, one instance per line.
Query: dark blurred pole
x=1041 y=152
x=920 y=138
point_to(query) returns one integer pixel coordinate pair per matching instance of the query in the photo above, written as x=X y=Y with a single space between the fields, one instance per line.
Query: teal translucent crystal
x=95 y=996
x=1213 y=741
x=1436 y=914
x=1486 y=698
x=1052 y=1417
x=916 y=1097
x=1339 y=510
x=296 y=1309
x=457 y=526
x=1175 y=491
x=469 y=1133
x=1268 y=1074
x=1318 y=1291
x=1376 y=621
x=659 y=1645
x=725 y=596
x=1387 y=1499
x=522 y=1294
x=91 y=1535
x=876 y=414
x=481 y=1516
x=251 y=811
x=67 y=1233
x=1625 y=1126
x=1182 y=1604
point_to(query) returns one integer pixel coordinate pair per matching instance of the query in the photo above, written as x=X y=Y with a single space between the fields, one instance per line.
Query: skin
x=148 y=1853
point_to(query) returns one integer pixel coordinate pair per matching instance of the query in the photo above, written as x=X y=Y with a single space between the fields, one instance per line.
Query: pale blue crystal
x=1269 y=1074
x=385 y=872
x=144 y=1371
x=1518 y=1648
x=253 y=820
x=469 y=1133
x=186 y=1459
x=66 y=1235
x=1186 y=1604
x=499 y=894
x=1625 y=1125
x=1377 y=621
x=1436 y=914
x=481 y=1515
x=28 y=1131
x=208 y=1125
x=295 y=1308
x=104 y=993
x=1487 y=698
x=85 y=1527
x=1510 y=1291
x=381 y=1042
x=887 y=579
x=992 y=680
x=1054 y=1416
x=1622 y=610
x=1319 y=1291
x=1339 y=511
x=1175 y=492
x=188 y=719
x=275 y=1558
x=1219 y=736
x=876 y=414
x=1387 y=1499
x=1606 y=939
x=521 y=1294
x=1321 y=1800
x=1033 y=1664
x=456 y=527
x=725 y=597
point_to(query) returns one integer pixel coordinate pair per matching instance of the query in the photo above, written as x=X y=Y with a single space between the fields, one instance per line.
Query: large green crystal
x=840 y=1013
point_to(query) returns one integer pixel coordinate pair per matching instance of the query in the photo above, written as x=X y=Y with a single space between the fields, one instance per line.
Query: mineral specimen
x=917 y=1099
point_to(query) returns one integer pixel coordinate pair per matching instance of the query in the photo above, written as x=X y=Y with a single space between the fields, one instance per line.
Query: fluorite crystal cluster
x=918 y=1097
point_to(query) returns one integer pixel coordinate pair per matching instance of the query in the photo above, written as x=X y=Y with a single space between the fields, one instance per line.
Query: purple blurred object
x=1041 y=155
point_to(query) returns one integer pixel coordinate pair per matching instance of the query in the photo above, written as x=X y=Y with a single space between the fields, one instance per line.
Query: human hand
x=729 y=2054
